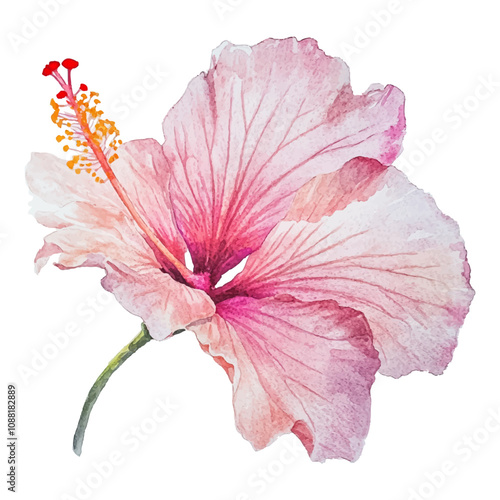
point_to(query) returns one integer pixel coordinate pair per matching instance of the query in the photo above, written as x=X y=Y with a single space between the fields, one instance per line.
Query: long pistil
x=104 y=134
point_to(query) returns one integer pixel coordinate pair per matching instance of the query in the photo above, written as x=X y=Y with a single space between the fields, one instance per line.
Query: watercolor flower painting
x=270 y=157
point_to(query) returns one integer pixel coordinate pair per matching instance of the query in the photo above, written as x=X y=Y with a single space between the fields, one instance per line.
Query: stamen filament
x=120 y=191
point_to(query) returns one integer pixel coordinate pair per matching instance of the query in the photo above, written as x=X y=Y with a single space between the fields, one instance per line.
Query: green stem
x=141 y=339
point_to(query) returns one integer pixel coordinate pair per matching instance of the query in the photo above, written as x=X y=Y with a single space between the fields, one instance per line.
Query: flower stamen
x=84 y=126
x=94 y=140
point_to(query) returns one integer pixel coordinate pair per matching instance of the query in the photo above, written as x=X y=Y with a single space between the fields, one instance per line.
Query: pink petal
x=90 y=218
x=298 y=367
x=250 y=132
x=93 y=228
x=163 y=304
x=382 y=247
x=64 y=199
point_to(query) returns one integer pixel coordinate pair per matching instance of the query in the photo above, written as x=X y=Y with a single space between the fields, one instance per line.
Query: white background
x=437 y=52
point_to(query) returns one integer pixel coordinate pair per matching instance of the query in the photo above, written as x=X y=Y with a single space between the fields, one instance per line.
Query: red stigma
x=50 y=68
x=70 y=64
x=67 y=87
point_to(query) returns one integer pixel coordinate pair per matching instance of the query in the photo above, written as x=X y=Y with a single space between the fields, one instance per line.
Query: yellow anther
x=87 y=132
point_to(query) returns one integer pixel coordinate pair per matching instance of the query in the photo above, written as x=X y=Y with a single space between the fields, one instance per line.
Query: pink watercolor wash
x=269 y=155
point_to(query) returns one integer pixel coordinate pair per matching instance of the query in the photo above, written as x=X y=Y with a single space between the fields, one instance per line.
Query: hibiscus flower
x=269 y=155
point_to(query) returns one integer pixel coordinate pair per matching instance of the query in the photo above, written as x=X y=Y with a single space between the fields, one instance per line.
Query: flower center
x=94 y=140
